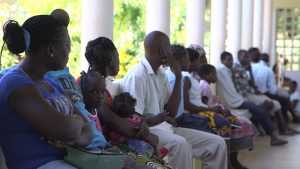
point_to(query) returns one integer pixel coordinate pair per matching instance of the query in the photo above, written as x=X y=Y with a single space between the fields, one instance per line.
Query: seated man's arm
x=175 y=97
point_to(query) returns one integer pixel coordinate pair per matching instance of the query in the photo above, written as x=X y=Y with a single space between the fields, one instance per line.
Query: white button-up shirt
x=152 y=91
x=264 y=78
x=225 y=88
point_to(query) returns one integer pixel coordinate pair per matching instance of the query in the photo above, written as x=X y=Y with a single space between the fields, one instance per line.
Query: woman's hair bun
x=13 y=36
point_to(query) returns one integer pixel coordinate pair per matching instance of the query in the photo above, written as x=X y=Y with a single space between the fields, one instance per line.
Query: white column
x=273 y=54
x=218 y=26
x=158 y=16
x=258 y=24
x=247 y=24
x=267 y=28
x=97 y=20
x=195 y=23
x=234 y=27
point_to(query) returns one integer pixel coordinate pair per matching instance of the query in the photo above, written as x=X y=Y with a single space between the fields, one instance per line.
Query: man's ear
x=161 y=51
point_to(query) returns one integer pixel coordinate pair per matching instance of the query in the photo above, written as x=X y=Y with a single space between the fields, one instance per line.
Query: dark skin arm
x=30 y=104
x=86 y=134
x=161 y=117
x=191 y=107
x=121 y=125
x=173 y=103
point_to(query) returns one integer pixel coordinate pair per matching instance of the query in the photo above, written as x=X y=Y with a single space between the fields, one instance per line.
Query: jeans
x=259 y=116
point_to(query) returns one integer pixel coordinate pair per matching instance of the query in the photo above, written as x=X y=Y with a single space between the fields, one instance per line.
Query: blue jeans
x=259 y=116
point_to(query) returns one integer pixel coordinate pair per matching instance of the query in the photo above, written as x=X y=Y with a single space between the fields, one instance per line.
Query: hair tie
x=27 y=39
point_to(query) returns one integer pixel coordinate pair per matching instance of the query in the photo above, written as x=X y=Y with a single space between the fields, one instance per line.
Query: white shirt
x=152 y=91
x=264 y=78
x=296 y=96
x=194 y=91
x=225 y=88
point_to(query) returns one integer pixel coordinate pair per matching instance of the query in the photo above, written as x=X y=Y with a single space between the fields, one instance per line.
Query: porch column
x=234 y=27
x=247 y=24
x=158 y=16
x=97 y=20
x=258 y=24
x=267 y=28
x=195 y=23
x=218 y=34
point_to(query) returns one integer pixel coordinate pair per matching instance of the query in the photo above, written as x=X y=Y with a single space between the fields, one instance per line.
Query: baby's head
x=124 y=104
x=208 y=72
x=93 y=89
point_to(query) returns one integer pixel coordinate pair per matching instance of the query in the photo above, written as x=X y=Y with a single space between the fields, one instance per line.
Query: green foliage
x=129 y=27
x=23 y=9
x=129 y=32
x=178 y=20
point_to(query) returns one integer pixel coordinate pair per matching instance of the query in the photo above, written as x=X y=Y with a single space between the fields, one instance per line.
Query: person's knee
x=218 y=141
x=277 y=105
x=180 y=143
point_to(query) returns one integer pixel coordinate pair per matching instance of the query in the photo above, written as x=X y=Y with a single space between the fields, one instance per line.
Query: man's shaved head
x=155 y=41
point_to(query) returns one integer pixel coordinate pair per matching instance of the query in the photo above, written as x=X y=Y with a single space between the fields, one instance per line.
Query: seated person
x=93 y=88
x=196 y=121
x=32 y=105
x=245 y=86
x=148 y=83
x=265 y=81
x=231 y=98
x=295 y=96
x=208 y=75
x=103 y=58
x=193 y=101
x=123 y=105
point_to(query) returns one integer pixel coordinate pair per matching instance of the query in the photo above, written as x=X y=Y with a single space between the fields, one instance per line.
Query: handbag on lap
x=94 y=159
x=194 y=121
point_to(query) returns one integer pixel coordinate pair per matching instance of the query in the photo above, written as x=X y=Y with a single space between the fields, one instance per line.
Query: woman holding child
x=35 y=110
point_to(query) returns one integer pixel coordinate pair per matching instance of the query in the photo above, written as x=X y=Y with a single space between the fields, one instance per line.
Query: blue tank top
x=23 y=146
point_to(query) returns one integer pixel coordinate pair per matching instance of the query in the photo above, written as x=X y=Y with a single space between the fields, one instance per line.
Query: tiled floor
x=264 y=156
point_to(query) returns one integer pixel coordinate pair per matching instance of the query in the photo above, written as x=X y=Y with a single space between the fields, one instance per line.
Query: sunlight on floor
x=264 y=156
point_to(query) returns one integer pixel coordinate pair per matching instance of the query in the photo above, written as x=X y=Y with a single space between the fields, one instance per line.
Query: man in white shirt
x=231 y=98
x=264 y=79
x=148 y=83
x=243 y=81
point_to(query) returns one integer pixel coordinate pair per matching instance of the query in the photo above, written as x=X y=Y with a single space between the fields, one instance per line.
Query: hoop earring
x=51 y=55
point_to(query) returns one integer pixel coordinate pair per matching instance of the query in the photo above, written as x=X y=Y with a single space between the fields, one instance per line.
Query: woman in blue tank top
x=35 y=115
